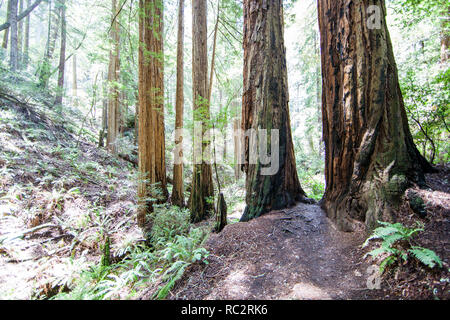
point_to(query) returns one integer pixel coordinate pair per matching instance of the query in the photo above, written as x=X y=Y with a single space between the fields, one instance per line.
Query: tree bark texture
x=370 y=154
x=113 y=79
x=151 y=138
x=14 y=53
x=202 y=190
x=178 y=181
x=265 y=106
x=62 y=54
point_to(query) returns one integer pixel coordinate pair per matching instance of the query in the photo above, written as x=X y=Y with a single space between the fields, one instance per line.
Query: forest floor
x=291 y=254
x=298 y=254
x=60 y=197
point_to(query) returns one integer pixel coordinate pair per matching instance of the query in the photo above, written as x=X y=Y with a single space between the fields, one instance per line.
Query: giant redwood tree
x=370 y=154
x=265 y=106
x=152 y=168
x=202 y=185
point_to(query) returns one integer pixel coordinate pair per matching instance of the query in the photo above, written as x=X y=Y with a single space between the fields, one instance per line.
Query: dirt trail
x=291 y=254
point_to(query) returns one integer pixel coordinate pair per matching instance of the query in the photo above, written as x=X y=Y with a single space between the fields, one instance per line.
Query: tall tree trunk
x=6 y=34
x=370 y=154
x=151 y=110
x=20 y=37
x=113 y=78
x=202 y=190
x=178 y=181
x=265 y=106
x=52 y=35
x=213 y=57
x=62 y=54
x=445 y=34
x=13 y=59
x=237 y=139
x=26 y=45
x=74 y=77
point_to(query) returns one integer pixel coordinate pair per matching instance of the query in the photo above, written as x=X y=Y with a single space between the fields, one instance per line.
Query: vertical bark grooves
x=151 y=139
x=113 y=78
x=370 y=154
x=265 y=106
x=178 y=183
x=202 y=184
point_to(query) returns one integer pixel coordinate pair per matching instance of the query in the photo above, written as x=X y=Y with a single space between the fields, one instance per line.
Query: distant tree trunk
x=178 y=180
x=26 y=45
x=445 y=34
x=52 y=35
x=113 y=78
x=370 y=154
x=74 y=77
x=151 y=110
x=265 y=106
x=13 y=59
x=237 y=148
x=202 y=190
x=20 y=37
x=62 y=54
x=213 y=57
x=6 y=34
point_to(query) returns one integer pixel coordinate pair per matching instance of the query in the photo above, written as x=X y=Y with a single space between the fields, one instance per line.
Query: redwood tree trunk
x=178 y=181
x=370 y=154
x=202 y=189
x=265 y=106
x=151 y=110
x=113 y=78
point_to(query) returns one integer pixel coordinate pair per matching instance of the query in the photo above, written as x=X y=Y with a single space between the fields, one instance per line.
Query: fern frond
x=426 y=256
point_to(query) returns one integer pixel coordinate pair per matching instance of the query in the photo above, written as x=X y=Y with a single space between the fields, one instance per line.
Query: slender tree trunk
x=265 y=106
x=53 y=20
x=178 y=180
x=74 y=77
x=26 y=45
x=6 y=34
x=62 y=54
x=237 y=148
x=113 y=78
x=213 y=57
x=445 y=35
x=13 y=60
x=370 y=154
x=151 y=111
x=20 y=37
x=202 y=190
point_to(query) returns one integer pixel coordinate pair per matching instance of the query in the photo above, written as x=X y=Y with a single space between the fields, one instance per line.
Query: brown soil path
x=291 y=254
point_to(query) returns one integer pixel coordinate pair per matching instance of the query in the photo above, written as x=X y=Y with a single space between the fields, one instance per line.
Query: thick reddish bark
x=370 y=154
x=152 y=184
x=265 y=106
x=202 y=189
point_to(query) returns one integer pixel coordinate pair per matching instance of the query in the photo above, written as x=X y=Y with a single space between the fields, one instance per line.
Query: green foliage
x=396 y=245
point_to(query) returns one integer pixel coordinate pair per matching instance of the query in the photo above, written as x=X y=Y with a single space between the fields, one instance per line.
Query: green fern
x=426 y=256
x=396 y=244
